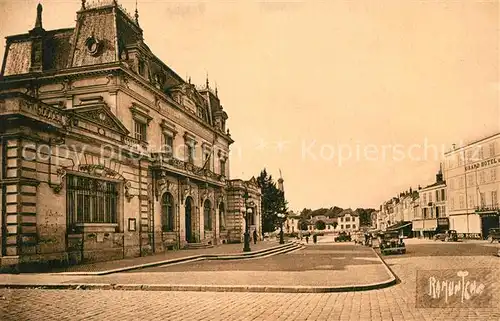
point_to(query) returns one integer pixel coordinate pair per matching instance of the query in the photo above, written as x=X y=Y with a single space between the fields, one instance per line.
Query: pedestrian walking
x=307 y=238
x=315 y=238
x=254 y=236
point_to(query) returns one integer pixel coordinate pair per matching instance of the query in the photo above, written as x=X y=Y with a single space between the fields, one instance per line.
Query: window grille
x=90 y=200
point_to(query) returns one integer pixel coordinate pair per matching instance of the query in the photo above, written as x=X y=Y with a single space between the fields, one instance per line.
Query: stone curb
x=394 y=278
x=192 y=258
x=200 y=288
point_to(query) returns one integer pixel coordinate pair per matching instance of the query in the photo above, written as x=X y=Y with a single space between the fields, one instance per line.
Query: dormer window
x=158 y=81
x=141 y=67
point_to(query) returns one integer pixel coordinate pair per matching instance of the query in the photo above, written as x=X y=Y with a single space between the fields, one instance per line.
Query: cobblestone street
x=394 y=303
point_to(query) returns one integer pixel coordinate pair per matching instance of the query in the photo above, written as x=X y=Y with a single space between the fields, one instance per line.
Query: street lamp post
x=281 y=217
x=248 y=210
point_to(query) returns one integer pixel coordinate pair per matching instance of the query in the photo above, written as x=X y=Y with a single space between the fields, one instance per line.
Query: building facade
x=471 y=172
x=433 y=218
x=105 y=151
x=348 y=221
x=330 y=223
x=292 y=223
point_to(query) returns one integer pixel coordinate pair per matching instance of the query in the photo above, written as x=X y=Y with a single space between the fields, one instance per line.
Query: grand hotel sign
x=482 y=164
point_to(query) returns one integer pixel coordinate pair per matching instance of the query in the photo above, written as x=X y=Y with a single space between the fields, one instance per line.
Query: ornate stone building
x=105 y=151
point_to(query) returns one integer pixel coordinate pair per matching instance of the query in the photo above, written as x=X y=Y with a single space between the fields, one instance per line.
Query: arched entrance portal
x=189 y=222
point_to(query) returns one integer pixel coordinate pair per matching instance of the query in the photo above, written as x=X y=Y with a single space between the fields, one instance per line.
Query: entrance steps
x=194 y=246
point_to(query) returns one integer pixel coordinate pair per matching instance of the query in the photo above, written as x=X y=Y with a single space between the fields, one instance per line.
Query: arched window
x=222 y=217
x=207 y=215
x=167 y=213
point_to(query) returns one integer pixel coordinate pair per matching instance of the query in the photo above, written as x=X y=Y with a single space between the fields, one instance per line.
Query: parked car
x=391 y=243
x=359 y=238
x=343 y=237
x=494 y=235
x=447 y=236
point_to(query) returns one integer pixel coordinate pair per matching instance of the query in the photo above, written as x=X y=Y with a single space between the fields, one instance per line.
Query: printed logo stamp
x=455 y=288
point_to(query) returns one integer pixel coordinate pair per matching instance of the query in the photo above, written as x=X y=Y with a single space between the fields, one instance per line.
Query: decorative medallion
x=93 y=45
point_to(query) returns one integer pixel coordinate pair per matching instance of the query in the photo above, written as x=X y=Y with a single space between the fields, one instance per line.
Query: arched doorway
x=167 y=213
x=222 y=217
x=207 y=215
x=189 y=222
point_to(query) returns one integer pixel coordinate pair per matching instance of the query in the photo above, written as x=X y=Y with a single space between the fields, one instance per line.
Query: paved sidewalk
x=396 y=303
x=236 y=248
x=318 y=268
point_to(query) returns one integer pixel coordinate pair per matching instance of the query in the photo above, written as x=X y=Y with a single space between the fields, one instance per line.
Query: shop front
x=424 y=228
x=443 y=224
x=489 y=219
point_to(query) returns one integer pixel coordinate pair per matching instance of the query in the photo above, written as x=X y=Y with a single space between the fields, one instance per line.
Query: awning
x=398 y=226
x=425 y=229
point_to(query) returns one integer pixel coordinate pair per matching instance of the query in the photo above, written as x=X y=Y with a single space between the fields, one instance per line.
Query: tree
x=305 y=213
x=303 y=225
x=273 y=202
x=364 y=216
x=319 y=211
x=320 y=225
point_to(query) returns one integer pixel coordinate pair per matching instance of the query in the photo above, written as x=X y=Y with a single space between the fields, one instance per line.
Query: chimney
x=439 y=177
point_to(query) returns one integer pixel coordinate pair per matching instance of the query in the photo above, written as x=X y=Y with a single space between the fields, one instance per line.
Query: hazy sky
x=303 y=80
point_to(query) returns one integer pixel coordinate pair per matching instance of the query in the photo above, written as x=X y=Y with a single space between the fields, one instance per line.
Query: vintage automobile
x=391 y=243
x=359 y=238
x=343 y=237
x=494 y=235
x=447 y=236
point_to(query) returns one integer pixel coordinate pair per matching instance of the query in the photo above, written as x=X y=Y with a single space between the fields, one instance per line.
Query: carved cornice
x=140 y=113
x=188 y=137
x=168 y=127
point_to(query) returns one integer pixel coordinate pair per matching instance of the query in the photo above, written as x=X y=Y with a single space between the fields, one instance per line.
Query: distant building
x=348 y=221
x=472 y=175
x=292 y=223
x=432 y=206
x=330 y=224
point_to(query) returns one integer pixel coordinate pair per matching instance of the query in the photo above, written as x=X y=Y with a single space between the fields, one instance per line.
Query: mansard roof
x=105 y=33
